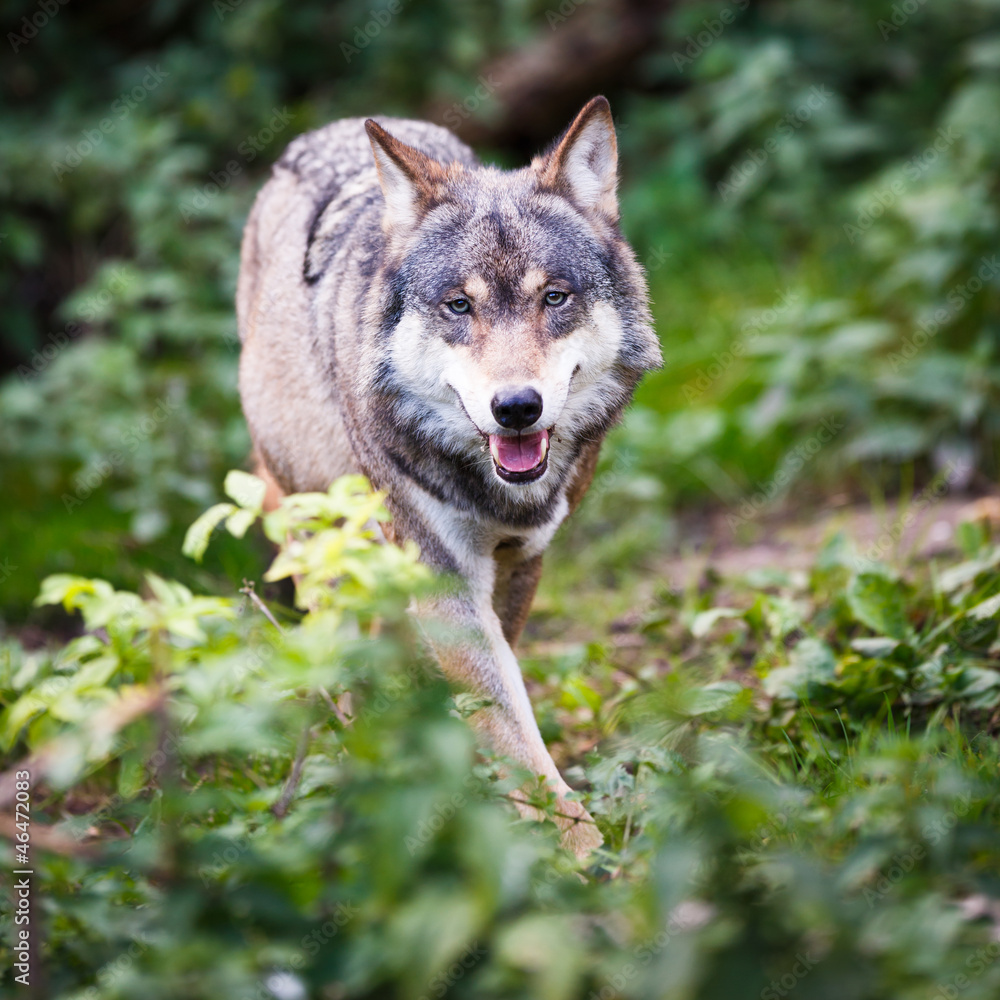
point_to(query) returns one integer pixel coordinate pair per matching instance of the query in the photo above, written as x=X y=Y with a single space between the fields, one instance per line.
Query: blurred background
x=811 y=187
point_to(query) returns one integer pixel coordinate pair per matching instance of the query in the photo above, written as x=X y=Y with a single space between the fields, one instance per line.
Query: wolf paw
x=579 y=831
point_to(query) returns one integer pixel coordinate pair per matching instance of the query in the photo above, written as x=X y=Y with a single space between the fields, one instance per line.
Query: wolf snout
x=516 y=408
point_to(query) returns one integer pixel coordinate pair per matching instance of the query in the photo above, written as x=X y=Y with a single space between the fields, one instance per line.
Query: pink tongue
x=519 y=454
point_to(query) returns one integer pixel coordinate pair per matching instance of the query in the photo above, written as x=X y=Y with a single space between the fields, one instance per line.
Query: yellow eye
x=459 y=306
x=555 y=298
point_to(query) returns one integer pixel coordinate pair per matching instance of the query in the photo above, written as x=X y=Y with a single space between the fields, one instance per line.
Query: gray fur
x=345 y=274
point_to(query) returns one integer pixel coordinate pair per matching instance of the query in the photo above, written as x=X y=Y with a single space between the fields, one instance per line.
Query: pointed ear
x=411 y=181
x=584 y=162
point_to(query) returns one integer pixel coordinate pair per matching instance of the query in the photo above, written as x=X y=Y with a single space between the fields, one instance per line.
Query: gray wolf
x=465 y=337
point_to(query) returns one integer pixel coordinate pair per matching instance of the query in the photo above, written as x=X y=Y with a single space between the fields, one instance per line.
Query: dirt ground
x=788 y=542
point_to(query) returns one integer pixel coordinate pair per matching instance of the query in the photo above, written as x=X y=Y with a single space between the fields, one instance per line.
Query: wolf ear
x=410 y=179
x=584 y=161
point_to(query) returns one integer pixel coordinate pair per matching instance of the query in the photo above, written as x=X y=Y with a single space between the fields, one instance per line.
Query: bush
x=231 y=800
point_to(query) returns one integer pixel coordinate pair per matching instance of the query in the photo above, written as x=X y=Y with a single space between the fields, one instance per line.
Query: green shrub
x=232 y=800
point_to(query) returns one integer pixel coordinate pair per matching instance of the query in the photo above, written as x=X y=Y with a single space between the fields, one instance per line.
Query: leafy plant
x=227 y=799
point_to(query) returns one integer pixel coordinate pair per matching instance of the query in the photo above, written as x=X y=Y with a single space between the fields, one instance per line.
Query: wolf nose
x=516 y=408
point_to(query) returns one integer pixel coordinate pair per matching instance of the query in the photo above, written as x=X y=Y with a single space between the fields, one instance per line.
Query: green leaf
x=706 y=620
x=783 y=615
x=95 y=673
x=877 y=601
x=985 y=609
x=812 y=665
x=576 y=692
x=247 y=490
x=238 y=522
x=131 y=774
x=711 y=698
x=196 y=539
x=169 y=593
x=467 y=704
x=62 y=588
x=18 y=716
x=956 y=577
x=875 y=647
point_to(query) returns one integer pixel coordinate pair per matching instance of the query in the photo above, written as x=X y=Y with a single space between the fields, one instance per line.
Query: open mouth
x=520 y=458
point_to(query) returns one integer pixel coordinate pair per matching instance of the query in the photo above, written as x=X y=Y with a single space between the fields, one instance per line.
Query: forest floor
x=591 y=637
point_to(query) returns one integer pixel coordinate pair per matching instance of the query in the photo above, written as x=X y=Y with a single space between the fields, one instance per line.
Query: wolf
x=462 y=335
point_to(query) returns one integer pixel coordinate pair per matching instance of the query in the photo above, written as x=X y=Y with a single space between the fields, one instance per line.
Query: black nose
x=516 y=408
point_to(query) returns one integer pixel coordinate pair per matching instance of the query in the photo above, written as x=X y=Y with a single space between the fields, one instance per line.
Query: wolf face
x=514 y=313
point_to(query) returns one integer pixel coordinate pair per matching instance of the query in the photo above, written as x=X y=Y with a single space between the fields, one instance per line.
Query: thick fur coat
x=465 y=337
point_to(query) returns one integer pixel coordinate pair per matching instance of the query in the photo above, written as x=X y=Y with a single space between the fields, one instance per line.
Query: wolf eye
x=555 y=298
x=459 y=306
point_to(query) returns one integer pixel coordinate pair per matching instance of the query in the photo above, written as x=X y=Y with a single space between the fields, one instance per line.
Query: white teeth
x=495 y=449
x=544 y=449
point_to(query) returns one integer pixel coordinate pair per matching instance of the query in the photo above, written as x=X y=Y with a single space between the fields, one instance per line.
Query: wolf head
x=513 y=315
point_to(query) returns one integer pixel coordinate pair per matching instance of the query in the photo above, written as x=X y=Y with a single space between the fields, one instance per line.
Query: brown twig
x=45 y=838
x=535 y=89
x=108 y=720
x=334 y=707
x=280 y=808
x=512 y=797
x=248 y=589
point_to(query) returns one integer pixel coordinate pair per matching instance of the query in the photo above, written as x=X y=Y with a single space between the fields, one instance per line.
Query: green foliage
x=223 y=804
x=812 y=193
x=820 y=235
x=795 y=773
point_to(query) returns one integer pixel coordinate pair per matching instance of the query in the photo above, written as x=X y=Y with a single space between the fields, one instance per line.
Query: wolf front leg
x=469 y=642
